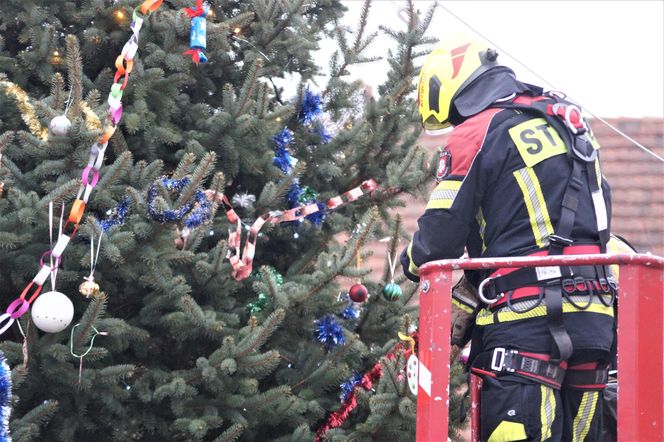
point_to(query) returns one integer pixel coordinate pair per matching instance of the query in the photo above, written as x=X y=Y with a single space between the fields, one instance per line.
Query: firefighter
x=519 y=175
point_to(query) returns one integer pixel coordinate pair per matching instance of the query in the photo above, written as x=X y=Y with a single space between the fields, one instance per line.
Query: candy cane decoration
x=242 y=264
x=124 y=65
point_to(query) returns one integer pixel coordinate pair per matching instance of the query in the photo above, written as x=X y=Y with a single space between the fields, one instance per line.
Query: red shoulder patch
x=466 y=140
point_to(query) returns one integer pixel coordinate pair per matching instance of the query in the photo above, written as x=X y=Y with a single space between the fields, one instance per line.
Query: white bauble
x=52 y=312
x=411 y=372
x=60 y=125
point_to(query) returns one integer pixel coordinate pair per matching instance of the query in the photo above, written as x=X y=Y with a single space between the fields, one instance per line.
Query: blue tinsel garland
x=5 y=397
x=282 y=157
x=310 y=107
x=329 y=333
x=350 y=313
x=117 y=217
x=199 y=207
x=348 y=386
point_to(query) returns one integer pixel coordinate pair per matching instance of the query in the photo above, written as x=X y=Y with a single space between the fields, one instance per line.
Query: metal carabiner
x=480 y=292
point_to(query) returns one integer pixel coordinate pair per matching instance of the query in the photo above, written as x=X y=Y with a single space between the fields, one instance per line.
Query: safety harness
x=554 y=283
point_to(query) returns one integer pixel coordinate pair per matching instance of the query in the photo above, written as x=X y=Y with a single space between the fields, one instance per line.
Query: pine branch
x=231 y=434
x=252 y=343
x=58 y=91
x=248 y=87
x=60 y=194
x=75 y=74
x=92 y=314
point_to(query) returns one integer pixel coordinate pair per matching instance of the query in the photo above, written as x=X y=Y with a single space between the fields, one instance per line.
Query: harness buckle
x=497 y=364
x=501 y=359
x=560 y=241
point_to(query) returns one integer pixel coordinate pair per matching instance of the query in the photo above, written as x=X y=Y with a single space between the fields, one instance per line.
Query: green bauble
x=392 y=291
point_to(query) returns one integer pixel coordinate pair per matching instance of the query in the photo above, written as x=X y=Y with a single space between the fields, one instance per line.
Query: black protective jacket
x=503 y=192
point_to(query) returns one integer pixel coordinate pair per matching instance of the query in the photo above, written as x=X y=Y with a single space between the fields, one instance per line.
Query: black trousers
x=514 y=409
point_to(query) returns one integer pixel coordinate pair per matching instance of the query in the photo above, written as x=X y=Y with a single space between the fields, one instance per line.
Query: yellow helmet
x=447 y=71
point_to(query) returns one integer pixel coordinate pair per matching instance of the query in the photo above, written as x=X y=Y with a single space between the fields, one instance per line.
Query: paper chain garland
x=242 y=264
x=124 y=64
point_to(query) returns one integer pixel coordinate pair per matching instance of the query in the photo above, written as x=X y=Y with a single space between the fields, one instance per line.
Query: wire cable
x=615 y=129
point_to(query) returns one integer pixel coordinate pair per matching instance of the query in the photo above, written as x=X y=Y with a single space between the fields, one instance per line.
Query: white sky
x=606 y=55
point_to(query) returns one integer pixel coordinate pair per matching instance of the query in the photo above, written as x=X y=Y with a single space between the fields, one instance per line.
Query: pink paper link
x=86 y=175
x=116 y=114
x=14 y=311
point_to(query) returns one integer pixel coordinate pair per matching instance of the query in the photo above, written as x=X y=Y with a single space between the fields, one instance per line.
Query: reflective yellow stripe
x=547 y=410
x=462 y=306
x=598 y=172
x=444 y=194
x=481 y=222
x=486 y=317
x=412 y=268
x=535 y=204
x=508 y=431
x=584 y=416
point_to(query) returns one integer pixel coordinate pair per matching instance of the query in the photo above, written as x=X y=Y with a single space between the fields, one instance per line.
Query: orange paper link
x=76 y=213
x=108 y=133
x=149 y=6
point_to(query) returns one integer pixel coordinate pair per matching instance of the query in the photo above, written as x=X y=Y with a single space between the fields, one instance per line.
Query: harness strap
x=587 y=377
x=534 y=366
x=529 y=276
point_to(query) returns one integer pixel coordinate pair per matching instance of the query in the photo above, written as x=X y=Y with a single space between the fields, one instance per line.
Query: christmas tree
x=160 y=336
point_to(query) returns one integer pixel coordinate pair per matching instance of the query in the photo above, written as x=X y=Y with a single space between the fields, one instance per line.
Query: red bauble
x=358 y=293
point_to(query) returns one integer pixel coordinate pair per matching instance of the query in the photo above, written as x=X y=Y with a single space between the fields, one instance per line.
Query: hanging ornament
x=56 y=58
x=81 y=356
x=358 y=293
x=198 y=34
x=52 y=312
x=89 y=287
x=392 y=291
x=411 y=372
x=60 y=125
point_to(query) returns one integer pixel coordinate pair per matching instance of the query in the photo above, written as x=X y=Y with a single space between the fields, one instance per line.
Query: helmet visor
x=432 y=124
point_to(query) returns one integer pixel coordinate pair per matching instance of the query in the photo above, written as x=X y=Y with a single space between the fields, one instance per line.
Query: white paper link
x=114 y=103
x=41 y=276
x=63 y=240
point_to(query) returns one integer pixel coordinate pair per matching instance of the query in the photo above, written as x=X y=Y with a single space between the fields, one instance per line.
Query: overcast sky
x=606 y=55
